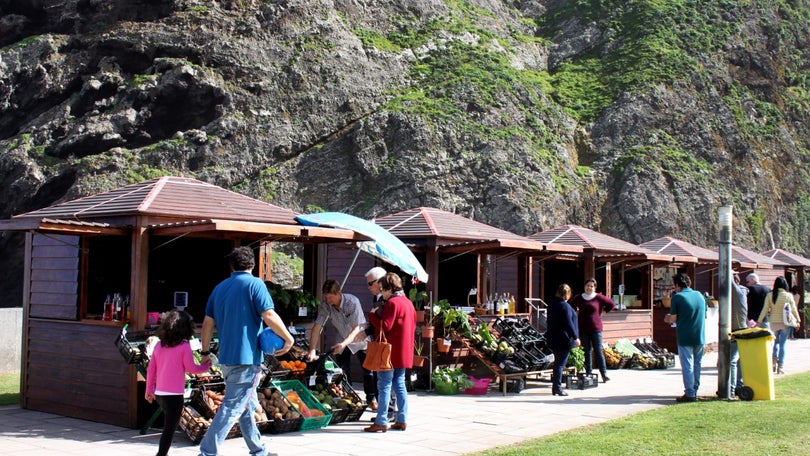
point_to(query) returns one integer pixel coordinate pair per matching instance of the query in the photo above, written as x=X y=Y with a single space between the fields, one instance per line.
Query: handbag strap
x=382 y=336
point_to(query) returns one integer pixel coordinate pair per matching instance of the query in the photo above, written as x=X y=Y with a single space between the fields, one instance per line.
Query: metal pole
x=724 y=300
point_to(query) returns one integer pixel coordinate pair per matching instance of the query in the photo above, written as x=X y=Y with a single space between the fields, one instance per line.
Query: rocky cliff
x=635 y=118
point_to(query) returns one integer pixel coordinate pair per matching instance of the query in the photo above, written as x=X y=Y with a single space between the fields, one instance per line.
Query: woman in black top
x=562 y=335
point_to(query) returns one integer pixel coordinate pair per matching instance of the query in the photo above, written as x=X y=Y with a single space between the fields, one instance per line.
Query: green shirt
x=690 y=307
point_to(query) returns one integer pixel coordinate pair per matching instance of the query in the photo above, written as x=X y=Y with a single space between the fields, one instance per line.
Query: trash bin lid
x=751 y=333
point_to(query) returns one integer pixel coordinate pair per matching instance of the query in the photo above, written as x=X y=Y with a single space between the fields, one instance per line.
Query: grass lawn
x=707 y=427
x=9 y=389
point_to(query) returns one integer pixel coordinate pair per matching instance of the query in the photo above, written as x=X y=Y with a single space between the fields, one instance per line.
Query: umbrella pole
x=430 y=346
x=350 y=269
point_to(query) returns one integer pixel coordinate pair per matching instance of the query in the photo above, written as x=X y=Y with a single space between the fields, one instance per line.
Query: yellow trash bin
x=755 y=349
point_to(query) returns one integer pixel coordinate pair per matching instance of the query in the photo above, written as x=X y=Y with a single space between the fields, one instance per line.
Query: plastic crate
x=339 y=414
x=281 y=425
x=341 y=392
x=581 y=381
x=132 y=345
x=480 y=388
x=354 y=412
x=314 y=422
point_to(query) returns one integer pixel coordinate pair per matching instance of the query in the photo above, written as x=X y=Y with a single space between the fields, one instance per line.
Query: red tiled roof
x=745 y=255
x=601 y=243
x=454 y=230
x=788 y=258
x=170 y=197
x=676 y=247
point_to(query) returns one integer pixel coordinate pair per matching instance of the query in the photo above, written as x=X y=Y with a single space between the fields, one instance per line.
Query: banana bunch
x=612 y=358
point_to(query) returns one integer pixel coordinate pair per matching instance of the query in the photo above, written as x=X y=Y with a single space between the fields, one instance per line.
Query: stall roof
x=681 y=250
x=173 y=206
x=762 y=262
x=601 y=244
x=791 y=259
x=454 y=232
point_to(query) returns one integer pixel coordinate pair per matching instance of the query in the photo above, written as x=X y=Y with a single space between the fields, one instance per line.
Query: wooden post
x=138 y=286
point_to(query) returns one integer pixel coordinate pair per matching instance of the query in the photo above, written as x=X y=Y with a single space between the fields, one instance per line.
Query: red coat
x=398 y=321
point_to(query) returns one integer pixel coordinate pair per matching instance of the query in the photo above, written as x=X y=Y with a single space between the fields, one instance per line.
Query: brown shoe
x=399 y=426
x=373 y=405
x=376 y=428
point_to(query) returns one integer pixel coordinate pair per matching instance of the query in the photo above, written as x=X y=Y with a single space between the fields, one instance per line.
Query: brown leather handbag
x=378 y=355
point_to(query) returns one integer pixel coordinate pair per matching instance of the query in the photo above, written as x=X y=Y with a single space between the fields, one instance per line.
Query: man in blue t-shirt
x=236 y=309
x=688 y=312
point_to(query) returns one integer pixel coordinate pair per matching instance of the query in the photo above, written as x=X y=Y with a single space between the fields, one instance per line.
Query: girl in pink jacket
x=166 y=374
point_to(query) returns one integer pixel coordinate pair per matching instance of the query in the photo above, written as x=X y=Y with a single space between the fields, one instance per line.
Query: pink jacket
x=168 y=366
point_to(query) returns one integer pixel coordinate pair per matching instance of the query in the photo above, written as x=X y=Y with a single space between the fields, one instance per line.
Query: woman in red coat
x=397 y=320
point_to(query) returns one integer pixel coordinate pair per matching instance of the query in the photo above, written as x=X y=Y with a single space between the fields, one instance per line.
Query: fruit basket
x=316 y=416
x=193 y=424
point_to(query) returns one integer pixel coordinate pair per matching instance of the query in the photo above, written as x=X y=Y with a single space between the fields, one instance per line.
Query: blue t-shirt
x=237 y=305
x=690 y=307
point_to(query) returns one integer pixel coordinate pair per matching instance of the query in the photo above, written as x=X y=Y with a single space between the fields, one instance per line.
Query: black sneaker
x=686 y=398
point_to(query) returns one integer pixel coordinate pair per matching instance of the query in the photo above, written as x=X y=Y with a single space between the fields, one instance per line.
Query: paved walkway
x=437 y=425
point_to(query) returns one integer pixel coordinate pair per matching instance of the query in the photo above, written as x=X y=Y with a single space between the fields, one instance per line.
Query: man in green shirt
x=688 y=312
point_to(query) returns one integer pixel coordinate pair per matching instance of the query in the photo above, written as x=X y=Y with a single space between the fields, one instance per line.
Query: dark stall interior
x=192 y=265
x=458 y=274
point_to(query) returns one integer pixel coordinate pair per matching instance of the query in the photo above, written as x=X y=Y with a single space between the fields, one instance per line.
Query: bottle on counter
x=511 y=303
x=126 y=309
x=117 y=307
x=108 y=309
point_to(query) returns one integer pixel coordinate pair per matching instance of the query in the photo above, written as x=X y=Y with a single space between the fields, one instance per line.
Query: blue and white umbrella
x=382 y=245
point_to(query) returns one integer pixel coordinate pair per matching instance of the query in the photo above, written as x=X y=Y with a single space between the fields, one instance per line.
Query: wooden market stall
x=612 y=262
x=701 y=265
x=148 y=240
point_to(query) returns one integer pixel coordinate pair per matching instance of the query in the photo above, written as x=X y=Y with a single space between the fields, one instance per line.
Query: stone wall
x=10 y=340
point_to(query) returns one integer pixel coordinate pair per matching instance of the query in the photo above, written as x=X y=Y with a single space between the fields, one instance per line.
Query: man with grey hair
x=756 y=298
x=373 y=277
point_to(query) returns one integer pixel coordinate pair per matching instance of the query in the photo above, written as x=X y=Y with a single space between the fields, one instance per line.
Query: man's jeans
x=691 y=357
x=240 y=402
x=735 y=380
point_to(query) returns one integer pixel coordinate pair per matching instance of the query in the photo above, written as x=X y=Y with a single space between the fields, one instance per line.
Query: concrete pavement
x=437 y=425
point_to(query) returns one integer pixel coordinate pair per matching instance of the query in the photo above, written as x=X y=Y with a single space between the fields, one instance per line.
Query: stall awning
x=296 y=233
x=62 y=226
